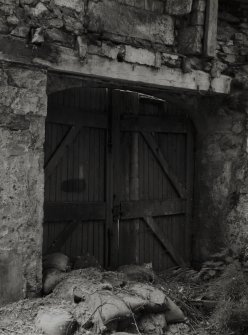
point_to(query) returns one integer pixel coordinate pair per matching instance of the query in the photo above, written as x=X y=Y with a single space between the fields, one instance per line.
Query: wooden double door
x=118 y=178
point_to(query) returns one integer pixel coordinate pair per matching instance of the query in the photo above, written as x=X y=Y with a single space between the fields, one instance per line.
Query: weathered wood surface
x=164 y=240
x=64 y=211
x=164 y=164
x=53 y=161
x=140 y=208
x=63 y=115
x=65 y=60
x=211 y=28
x=157 y=124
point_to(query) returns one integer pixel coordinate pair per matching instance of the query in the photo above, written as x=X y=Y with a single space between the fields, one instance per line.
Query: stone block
x=12 y=20
x=77 y=5
x=190 y=40
x=171 y=60
x=139 y=56
x=109 y=17
x=39 y=9
x=20 y=31
x=178 y=7
x=59 y=36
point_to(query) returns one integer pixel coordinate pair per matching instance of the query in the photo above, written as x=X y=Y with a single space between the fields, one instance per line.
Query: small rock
x=39 y=9
x=21 y=31
x=13 y=20
x=37 y=36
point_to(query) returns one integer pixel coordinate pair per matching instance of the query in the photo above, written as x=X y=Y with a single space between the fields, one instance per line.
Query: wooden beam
x=163 y=240
x=60 y=151
x=65 y=211
x=154 y=124
x=140 y=208
x=164 y=164
x=75 y=116
x=190 y=187
x=65 y=60
x=211 y=21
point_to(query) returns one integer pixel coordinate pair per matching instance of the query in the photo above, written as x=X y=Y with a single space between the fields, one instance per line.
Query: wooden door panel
x=75 y=170
x=155 y=227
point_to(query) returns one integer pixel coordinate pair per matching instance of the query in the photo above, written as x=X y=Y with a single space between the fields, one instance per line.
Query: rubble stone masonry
x=23 y=106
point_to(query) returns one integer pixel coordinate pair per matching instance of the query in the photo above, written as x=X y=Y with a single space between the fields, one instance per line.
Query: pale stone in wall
x=77 y=5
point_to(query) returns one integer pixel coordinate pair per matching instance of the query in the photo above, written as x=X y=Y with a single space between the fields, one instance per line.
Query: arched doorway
x=119 y=178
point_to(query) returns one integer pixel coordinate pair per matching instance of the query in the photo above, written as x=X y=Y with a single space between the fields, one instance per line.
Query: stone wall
x=22 y=114
x=221 y=200
x=153 y=33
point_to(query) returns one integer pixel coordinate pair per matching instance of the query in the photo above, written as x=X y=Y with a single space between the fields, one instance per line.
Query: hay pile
x=92 y=301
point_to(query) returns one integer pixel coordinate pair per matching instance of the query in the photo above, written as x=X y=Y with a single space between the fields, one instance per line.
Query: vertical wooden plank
x=189 y=186
x=211 y=21
x=116 y=110
x=109 y=183
x=134 y=172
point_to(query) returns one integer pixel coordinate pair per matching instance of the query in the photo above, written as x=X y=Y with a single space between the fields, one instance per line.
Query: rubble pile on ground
x=94 y=301
x=219 y=262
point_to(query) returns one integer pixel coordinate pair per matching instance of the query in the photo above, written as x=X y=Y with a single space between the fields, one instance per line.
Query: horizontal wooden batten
x=72 y=116
x=65 y=211
x=139 y=208
x=157 y=124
